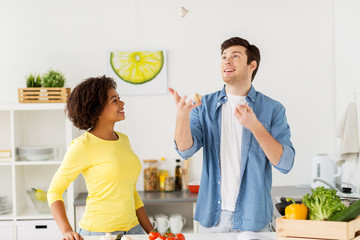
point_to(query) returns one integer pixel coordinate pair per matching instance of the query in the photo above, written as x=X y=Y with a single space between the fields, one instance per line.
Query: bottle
x=162 y=183
x=178 y=185
x=162 y=169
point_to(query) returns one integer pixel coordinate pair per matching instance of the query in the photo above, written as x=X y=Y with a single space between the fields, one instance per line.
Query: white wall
x=296 y=39
x=347 y=52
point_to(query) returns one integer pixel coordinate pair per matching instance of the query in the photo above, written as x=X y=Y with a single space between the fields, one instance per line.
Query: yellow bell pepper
x=296 y=211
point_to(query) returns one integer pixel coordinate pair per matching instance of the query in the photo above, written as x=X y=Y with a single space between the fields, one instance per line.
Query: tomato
x=170 y=238
x=180 y=236
x=168 y=234
x=154 y=235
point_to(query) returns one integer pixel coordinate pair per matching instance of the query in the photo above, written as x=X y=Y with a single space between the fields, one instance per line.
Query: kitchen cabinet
x=168 y=203
x=39 y=230
x=6 y=229
x=31 y=125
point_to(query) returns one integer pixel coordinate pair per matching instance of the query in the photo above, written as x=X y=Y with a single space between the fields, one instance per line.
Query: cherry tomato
x=180 y=236
x=168 y=234
x=154 y=235
x=170 y=238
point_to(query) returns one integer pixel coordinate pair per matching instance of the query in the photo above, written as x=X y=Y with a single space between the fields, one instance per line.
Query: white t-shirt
x=230 y=152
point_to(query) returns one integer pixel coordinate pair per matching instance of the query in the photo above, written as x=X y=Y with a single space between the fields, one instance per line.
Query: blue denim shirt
x=254 y=207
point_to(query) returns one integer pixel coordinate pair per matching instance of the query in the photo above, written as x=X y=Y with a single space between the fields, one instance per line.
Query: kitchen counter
x=150 y=198
x=188 y=197
x=210 y=236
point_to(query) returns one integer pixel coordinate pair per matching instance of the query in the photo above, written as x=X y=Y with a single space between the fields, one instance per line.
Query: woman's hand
x=72 y=236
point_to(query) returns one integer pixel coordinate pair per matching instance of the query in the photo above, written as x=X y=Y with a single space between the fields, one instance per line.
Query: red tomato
x=154 y=235
x=170 y=238
x=180 y=236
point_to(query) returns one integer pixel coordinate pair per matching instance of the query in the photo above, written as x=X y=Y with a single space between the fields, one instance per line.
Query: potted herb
x=32 y=81
x=53 y=79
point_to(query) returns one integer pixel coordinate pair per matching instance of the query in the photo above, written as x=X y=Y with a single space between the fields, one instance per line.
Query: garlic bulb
x=107 y=237
x=182 y=12
x=126 y=238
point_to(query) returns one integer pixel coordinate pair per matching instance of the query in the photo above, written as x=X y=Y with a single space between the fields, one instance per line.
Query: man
x=243 y=133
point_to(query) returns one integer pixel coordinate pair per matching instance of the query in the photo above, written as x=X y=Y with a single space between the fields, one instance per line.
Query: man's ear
x=253 y=65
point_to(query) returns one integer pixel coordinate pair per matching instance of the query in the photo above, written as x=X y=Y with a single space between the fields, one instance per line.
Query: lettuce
x=322 y=203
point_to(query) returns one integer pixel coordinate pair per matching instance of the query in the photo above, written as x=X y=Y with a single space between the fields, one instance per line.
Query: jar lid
x=150 y=161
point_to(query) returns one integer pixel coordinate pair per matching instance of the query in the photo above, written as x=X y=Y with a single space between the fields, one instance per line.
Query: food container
x=150 y=175
x=311 y=229
x=39 y=200
x=194 y=187
x=169 y=184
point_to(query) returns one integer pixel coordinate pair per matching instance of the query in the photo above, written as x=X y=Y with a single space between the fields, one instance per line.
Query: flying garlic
x=182 y=12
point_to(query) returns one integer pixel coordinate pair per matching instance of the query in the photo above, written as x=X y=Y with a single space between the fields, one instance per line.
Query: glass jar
x=150 y=175
x=169 y=184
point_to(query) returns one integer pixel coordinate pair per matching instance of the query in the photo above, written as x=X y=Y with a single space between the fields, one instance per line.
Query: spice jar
x=169 y=184
x=150 y=175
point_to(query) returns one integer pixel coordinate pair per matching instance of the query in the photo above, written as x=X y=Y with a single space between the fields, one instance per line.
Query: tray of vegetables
x=321 y=215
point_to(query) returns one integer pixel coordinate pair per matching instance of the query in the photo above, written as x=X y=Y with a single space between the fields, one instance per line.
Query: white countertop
x=209 y=236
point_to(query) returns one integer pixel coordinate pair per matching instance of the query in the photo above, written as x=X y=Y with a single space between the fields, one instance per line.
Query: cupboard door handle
x=40 y=226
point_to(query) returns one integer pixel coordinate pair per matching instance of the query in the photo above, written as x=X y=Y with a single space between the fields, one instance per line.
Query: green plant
x=32 y=81
x=53 y=79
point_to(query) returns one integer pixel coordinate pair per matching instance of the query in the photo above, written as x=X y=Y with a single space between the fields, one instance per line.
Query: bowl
x=39 y=199
x=194 y=187
x=35 y=153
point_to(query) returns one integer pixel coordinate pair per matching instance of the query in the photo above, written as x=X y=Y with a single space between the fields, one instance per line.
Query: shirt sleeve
x=75 y=161
x=196 y=133
x=280 y=130
x=138 y=202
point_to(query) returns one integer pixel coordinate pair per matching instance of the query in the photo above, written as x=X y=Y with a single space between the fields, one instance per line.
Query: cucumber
x=349 y=213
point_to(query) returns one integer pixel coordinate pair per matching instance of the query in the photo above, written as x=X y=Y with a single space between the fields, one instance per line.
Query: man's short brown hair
x=252 y=52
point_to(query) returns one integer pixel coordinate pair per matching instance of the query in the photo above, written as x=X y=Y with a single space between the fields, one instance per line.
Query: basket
x=43 y=95
x=291 y=229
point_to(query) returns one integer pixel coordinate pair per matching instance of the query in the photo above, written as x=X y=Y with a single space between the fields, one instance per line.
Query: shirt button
x=218 y=202
x=218 y=182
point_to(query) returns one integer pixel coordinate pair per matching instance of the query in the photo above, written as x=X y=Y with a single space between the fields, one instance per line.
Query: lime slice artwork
x=137 y=67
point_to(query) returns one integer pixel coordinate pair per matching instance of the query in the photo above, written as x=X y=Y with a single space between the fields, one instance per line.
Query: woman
x=107 y=162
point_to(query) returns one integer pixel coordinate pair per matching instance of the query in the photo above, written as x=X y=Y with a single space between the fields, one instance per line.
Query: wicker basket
x=43 y=95
x=309 y=229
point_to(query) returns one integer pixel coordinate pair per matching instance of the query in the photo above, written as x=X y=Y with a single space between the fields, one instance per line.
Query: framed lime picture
x=139 y=72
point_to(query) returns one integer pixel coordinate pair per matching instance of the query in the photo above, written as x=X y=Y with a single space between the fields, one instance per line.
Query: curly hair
x=88 y=100
x=252 y=52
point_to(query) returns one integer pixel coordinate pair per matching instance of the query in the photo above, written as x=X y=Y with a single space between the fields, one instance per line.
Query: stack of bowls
x=35 y=153
x=4 y=205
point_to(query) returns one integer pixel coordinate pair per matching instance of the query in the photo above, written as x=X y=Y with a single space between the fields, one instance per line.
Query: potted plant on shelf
x=46 y=89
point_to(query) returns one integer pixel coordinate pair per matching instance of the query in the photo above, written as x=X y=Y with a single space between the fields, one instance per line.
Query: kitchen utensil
x=162 y=222
x=40 y=204
x=35 y=153
x=194 y=186
x=176 y=222
x=153 y=221
x=325 y=168
x=3 y=198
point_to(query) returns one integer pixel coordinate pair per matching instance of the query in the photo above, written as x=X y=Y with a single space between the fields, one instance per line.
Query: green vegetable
x=53 y=79
x=322 y=203
x=348 y=213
